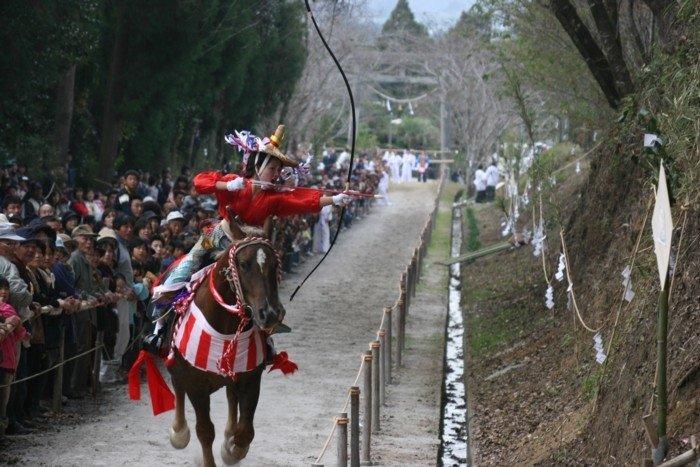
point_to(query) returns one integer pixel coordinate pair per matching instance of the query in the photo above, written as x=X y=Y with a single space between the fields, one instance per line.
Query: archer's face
x=272 y=171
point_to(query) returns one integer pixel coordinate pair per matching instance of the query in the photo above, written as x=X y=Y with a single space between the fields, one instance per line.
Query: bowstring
x=352 y=145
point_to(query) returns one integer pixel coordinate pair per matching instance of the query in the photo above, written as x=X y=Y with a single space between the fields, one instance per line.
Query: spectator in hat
x=175 y=223
x=90 y=288
x=20 y=296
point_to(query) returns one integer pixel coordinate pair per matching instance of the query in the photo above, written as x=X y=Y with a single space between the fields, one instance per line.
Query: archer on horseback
x=252 y=197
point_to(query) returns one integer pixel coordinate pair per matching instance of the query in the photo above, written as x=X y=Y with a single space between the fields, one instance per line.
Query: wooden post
x=400 y=332
x=659 y=454
x=375 y=386
x=412 y=268
x=381 y=337
x=57 y=402
x=367 y=408
x=354 y=426
x=407 y=291
x=387 y=354
x=96 y=363
x=342 y=440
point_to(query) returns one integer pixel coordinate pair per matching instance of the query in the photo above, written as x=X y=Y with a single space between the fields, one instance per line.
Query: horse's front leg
x=244 y=433
x=227 y=445
x=179 y=431
x=205 y=428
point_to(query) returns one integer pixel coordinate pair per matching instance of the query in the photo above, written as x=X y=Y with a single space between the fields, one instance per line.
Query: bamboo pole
x=659 y=453
x=354 y=426
x=375 y=386
x=381 y=337
x=387 y=354
x=400 y=331
x=367 y=409
x=342 y=440
x=477 y=254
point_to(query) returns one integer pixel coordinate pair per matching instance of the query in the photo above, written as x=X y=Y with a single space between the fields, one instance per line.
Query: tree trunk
x=664 y=12
x=634 y=30
x=607 y=25
x=191 y=150
x=584 y=42
x=111 y=120
x=65 y=92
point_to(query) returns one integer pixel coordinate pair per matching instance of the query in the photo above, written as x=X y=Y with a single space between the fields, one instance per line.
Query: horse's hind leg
x=227 y=454
x=179 y=431
x=205 y=428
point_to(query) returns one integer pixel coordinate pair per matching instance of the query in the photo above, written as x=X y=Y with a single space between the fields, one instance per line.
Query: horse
x=246 y=274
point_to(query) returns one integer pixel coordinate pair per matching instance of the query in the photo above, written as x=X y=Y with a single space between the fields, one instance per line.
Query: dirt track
x=333 y=318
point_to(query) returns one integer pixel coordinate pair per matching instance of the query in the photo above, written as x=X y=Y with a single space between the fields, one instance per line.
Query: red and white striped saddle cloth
x=203 y=347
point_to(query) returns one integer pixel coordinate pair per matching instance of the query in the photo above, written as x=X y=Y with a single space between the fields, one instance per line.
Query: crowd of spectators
x=77 y=264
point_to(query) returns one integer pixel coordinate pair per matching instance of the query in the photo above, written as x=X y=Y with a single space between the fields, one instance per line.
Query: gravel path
x=333 y=318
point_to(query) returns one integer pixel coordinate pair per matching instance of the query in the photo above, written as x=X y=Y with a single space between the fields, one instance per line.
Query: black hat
x=147 y=216
x=37 y=225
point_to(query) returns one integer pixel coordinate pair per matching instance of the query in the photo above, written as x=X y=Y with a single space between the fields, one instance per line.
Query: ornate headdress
x=248 y=143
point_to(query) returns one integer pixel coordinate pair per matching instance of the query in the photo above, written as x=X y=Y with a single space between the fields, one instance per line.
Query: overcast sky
x=439 y=12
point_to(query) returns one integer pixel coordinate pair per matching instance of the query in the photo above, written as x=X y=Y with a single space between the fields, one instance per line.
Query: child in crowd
x=11 y=332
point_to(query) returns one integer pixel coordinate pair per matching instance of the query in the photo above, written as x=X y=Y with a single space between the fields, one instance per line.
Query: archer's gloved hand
x=235 y=184
x=342 y=199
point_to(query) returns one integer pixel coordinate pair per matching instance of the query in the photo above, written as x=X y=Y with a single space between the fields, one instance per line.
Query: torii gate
x=401 y=78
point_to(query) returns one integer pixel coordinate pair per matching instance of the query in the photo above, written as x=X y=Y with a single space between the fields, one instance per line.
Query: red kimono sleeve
x=297 y=202
x=205 y=182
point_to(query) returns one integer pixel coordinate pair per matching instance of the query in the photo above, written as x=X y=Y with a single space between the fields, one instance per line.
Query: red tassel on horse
x=283 y=363
x=162 y=398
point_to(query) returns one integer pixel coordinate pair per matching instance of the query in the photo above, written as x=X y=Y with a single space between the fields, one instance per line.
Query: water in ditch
x=454 y=448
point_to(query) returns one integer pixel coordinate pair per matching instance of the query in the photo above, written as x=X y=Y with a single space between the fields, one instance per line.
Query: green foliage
x=401 y=22
x=477 y=22
x=210 y=66
x=39 y=40
x=473 y=242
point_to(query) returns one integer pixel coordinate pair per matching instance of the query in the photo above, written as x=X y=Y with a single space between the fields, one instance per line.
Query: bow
x=352 y=145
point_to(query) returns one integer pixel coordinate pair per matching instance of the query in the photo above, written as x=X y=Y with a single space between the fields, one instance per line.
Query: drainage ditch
x=454 y=435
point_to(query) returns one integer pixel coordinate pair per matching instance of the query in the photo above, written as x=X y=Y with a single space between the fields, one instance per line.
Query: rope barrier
x=634 y=257
x=571 y=286
x=329 y=438
x=74 y=357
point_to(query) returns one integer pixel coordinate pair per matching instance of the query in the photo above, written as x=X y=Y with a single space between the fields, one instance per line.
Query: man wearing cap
x=87 y=283
x=20 y=295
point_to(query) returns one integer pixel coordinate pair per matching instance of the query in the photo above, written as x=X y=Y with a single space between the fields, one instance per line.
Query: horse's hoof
x=232 y=455
x=180 y=439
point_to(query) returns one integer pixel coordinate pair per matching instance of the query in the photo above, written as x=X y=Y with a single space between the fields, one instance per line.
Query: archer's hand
x=342 y=199
x=235 y=184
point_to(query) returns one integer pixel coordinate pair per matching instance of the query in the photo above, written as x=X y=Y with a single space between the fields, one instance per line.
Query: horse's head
x=258 y=266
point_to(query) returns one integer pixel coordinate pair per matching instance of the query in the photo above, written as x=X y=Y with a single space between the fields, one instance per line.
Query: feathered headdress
x=246 y=142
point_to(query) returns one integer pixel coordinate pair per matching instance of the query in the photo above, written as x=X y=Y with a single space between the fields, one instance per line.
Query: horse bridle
x=242 y=310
